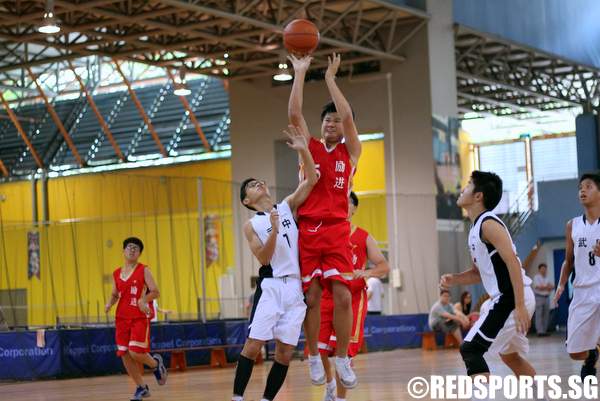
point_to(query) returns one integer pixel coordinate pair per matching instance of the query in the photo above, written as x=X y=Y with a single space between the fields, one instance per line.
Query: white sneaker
x=330 y=391
x=317 y=371
x=344 y=370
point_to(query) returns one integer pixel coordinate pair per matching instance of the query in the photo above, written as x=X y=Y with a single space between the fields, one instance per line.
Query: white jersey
x=585 y=235
x=493 y=270
x=285 y=257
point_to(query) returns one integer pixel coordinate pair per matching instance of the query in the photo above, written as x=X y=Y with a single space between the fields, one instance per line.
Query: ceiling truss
x=503 y=78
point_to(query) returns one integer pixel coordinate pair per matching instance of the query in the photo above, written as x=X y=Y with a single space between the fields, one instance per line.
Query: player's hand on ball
x=334 y=64
x=275 y=220
x=446 y=281
x=300 y=64
x=296 y=140
x=522 y=319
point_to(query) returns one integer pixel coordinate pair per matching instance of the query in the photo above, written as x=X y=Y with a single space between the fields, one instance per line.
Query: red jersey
x=358 y=240
x=130 y=290
x=329 y=198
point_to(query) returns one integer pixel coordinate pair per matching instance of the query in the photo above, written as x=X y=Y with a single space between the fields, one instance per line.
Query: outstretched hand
x=296 y=140
x=333 y=65
x=300 y=64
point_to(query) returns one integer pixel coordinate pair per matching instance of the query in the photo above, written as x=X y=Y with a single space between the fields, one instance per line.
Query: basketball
x=300 y=37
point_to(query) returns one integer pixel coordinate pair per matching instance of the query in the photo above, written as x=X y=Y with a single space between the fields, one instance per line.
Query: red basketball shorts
x=327 y=337
x=325 y=252
x=132 y=334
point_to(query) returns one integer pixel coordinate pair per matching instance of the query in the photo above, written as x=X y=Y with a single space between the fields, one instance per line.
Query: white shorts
x=496 y=327
x=278 y=310
x=583 y=325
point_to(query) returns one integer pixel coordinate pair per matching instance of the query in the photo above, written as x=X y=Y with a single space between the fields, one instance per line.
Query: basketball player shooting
x=325 y=249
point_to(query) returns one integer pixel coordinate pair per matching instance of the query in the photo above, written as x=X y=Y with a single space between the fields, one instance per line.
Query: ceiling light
x=181 y=88
x=283 y=74
x=49 y=24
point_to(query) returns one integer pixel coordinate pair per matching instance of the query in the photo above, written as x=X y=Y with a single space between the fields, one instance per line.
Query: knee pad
x=472 y=355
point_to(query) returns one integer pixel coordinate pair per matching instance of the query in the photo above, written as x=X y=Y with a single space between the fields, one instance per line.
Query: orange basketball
x=300 y=37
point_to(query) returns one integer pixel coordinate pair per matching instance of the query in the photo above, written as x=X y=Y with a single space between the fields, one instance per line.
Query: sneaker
x=344 y=370
x=317 y=371
x=160 y=372
x=141 y=392
x=589 y=365
x=330 y=391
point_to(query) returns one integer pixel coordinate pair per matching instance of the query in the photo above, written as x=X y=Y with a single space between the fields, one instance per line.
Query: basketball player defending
x=582 y=236
x=325 y=250
x=363 y=247
x=135 y=289
x=279 y=308
x=505 y=317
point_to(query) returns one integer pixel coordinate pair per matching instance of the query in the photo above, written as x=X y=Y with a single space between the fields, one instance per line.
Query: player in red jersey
x=364 y=248
x=135 y=289
x=325 y=250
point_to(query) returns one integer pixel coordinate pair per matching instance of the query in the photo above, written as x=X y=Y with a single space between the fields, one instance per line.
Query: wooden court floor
x=382 y=376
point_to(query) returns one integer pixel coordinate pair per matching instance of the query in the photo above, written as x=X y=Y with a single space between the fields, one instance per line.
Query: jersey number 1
x=288 y=240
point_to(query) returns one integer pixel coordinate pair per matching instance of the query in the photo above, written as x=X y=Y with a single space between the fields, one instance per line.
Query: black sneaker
x=589 y=365
x=141 y=392
x=160 y=372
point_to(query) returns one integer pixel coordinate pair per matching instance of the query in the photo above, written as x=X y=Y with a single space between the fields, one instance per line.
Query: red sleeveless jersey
x=358 y=239
x=130 y=290
x=329 y=198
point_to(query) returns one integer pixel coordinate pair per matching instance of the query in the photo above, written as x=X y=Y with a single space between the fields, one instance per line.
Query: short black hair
x=243 y=192
x=444 y=291
x=330 y=108
x=490 y=185
x=591 y=176
x=542 y=265
x=135 y=241
x=354 y=199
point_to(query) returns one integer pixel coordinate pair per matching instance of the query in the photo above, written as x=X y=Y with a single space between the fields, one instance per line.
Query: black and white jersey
x=585 y=235
x=285 y=257
x=493 y=270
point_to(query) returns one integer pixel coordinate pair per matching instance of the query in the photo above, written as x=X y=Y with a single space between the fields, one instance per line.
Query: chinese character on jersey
x=339 y=183
x=582 y=243
x=133 y=290
x=286 y=223
x=340 y=166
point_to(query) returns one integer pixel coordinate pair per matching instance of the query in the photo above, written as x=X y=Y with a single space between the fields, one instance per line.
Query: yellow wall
x=369 y=185
x=92 y=214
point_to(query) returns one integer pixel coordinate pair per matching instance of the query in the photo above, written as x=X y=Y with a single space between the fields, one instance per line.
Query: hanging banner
x=212 y=234
x=33 y=250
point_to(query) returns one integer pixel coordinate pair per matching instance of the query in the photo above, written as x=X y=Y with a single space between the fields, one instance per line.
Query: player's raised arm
x=298 y=142
x=263 y=253
x=295 y=116
x=567 y=266
x=343 y=109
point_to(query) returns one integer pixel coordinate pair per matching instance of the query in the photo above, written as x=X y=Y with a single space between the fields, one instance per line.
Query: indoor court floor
x=382 y=376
